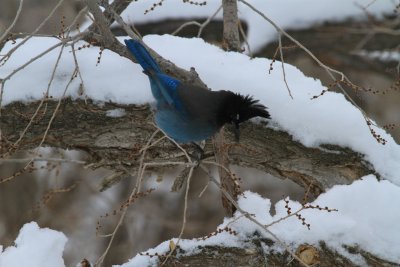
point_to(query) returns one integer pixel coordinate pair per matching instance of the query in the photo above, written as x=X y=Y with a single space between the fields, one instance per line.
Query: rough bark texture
x=231 y=42
x=115 y=143
x=222 y=157
x=256 y=255
x=231 y=27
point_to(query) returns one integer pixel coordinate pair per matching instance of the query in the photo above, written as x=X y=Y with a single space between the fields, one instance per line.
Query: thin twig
x=198 y=24
x=74 y=22
x=4 y=35
x=283 y=65
x=33 y=33
x=286 y=217
x=82 y=84
x=3 y=81
x=126 y=27
x=19 y=172
x=283 y=32
x=248 y=216
x=204 y=189
x=56 y=109
x=63 y=42
x=123 y=214
x=136 y=189
x=205 y=23
x=20 y=160
x=241 y=30
x=46 y=94
x=328 y=69
x=184 y=215
x=185 y=25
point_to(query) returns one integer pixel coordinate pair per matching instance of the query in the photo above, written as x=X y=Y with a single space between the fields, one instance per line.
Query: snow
x=35 y=247
x=106 y=82
x=367 y=216
x=371 y=223
x=385 y=56
x=291 y=14
x=116 y=113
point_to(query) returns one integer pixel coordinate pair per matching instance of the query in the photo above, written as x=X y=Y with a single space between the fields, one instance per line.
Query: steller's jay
x=188 y=113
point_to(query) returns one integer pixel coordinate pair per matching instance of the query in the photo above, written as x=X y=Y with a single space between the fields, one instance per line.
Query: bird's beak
x=236 y=131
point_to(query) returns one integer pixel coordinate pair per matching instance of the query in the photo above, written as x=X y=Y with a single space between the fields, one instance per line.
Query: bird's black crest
x=236 y=108
x=247 y=107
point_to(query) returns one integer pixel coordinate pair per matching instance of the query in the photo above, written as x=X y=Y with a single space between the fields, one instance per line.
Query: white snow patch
x=385 y=56
x=35 y=247
x=116 y=113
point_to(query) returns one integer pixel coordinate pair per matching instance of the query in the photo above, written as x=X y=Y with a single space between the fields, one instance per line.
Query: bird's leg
x=198 y=154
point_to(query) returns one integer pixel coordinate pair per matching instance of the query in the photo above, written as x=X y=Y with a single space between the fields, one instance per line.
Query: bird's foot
x=198 y=154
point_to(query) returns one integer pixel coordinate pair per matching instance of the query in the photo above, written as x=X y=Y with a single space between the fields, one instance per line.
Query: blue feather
x=163 y=86
x=181 y=128
x=142 y=56
x=169 y=87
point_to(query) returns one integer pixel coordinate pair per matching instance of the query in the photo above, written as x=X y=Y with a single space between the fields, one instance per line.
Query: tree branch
x=115 y=143
x=254 y=256
x=231 y=40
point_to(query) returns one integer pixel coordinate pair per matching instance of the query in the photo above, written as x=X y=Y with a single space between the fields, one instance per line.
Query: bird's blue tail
x=142 y=56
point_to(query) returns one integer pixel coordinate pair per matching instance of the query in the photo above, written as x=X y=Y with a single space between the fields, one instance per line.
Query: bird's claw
x=197 y=155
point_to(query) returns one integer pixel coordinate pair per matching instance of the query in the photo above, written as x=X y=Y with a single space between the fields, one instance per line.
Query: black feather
x=250 y=108
x=237 y=108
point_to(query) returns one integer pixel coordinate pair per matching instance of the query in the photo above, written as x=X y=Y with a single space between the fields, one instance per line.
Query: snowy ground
x=370 y=222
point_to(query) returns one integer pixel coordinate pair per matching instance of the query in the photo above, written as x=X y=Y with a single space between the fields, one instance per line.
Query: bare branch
x=4 y=35
x=184 y=214
x=200 y=25
x=122 y=217
x=231 y=27
x=22 y=160
x=184 y=25
x=328 y=69
x=205 y=23
x=5 y=57
x=245 y=39
x=283 y=65
x=251 y=218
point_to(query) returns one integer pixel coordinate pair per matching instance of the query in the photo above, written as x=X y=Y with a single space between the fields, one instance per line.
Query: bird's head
x=240 y=108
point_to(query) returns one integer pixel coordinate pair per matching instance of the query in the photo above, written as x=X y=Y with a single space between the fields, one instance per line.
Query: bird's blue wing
x=163 y=87
x=167 y=87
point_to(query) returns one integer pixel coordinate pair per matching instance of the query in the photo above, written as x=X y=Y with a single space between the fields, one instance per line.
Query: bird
x=188 y=113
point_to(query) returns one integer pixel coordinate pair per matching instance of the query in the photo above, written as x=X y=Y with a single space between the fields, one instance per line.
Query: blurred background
x=67 y=197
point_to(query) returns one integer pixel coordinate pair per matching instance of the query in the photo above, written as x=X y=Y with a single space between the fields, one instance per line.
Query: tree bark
x=231 y=41
x=256 y=256
x=222 y=158
x=115 y=143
